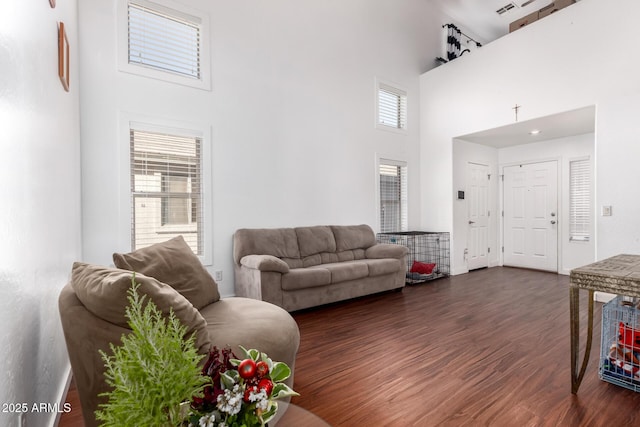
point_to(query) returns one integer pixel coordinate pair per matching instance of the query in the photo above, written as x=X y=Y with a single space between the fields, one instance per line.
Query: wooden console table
x=618 y=275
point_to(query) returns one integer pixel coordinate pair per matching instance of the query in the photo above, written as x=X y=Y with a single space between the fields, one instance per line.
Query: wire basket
x=620 y=348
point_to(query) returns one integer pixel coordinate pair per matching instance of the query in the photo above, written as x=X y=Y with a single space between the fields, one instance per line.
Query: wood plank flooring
x=488 y=348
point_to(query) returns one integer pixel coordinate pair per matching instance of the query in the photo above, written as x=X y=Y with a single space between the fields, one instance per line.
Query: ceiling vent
x=527 y=3
x=506 y=8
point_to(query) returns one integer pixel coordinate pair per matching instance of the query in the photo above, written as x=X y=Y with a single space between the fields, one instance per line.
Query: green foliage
x=153 y=372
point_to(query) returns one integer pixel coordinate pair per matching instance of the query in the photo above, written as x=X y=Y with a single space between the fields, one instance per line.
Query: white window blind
x=164 y=39
x=166 y=189
x=579 y=200
x=393 y=196
x=392 y=107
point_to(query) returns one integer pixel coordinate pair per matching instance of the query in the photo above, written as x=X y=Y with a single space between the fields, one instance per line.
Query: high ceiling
x=480 y=17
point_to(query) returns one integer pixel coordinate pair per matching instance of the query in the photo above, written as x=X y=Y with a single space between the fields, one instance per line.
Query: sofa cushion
x=379 y=267
x=279 y=242
x=301 y=278
x=103 y=291
x=343 y=271
x=353 y=237
x=314 y=240
x=351 y=255
x=174 y=263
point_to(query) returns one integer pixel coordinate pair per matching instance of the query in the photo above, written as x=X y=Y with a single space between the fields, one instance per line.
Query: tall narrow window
x=165 y=188
x=164 y=39
x=579 y=200
x=392 y=107
x=393 y=196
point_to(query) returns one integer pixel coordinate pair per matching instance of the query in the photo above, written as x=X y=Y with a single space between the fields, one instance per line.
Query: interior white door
x=531 y=216
x=478 y=216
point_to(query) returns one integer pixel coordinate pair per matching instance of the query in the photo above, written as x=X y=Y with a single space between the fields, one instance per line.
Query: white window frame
x=404 y=220
x=176 y=9
x=387 y=86
x=576 y=236
x=141 y=122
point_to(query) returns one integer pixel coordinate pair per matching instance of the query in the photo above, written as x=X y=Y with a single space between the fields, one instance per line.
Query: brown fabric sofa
x=92 y=308
x=302 y=267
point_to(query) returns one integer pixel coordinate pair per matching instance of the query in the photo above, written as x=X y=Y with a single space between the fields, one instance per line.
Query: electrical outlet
x=606 y=211
x=218 y=275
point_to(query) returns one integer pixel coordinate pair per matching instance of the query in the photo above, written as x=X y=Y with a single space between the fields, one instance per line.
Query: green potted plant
x=153 y=372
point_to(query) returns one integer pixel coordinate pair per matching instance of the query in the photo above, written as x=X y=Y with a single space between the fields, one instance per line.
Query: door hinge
x=488 y=250
x=503 y=249
x=488 y=213
x=503 y=214
x=502 y=177
x=489 y=177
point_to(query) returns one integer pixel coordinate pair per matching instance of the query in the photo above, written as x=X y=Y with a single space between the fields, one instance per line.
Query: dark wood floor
x=489 y=348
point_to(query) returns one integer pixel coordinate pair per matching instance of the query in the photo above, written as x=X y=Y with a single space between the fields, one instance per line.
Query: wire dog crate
x=428 y=256
x=620 y=349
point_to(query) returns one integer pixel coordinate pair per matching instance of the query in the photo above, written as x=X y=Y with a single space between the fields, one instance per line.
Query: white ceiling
x=479 y=17
x=561 y=125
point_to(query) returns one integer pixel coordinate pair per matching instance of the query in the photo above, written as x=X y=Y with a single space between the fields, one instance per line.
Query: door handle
x=472 y=222
x=553 y=222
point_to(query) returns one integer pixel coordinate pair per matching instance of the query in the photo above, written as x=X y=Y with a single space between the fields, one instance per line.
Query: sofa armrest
x=386 y=250
x=264 y=263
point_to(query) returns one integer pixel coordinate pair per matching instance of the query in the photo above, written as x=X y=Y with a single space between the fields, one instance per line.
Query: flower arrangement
x=240 y=392
x=156 y=379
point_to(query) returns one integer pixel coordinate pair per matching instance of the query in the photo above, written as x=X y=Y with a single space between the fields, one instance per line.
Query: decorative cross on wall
x=516 y=108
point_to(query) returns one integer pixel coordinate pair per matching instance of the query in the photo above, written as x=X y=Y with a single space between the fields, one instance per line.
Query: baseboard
x=62 y=396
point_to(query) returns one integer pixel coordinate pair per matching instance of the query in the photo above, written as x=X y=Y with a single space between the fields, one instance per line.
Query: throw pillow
x=174 y=263
x=103 y=291
x=422 y=267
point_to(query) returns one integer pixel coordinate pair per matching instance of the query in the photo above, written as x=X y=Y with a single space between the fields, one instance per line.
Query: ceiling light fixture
x=534 y=132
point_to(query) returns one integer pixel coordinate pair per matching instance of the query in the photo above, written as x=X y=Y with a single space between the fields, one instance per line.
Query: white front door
x=531 y=216
x=478 y=215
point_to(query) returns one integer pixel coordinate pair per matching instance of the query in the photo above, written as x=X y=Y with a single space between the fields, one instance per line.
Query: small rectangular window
x=393 y=196
x=579 y=200
x=392 y=107
x=164 y=39
x=165 y=188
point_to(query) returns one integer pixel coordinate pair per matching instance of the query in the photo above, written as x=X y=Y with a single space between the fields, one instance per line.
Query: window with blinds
x=392 y=107
x=579 y=200
x=393 y=196
x=165 y=189
x=164 y=39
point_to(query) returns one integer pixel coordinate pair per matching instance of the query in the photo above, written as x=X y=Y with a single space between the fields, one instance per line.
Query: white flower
x=260 y=397
x=207 y=420
x=230 y=401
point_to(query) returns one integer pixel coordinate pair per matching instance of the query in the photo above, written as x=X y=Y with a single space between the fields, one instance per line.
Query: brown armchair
x=92 y=308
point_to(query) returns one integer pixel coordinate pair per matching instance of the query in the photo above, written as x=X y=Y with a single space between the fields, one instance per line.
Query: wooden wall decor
x=63 y=56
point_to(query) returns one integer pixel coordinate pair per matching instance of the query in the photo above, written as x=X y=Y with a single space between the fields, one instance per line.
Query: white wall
x=40 y=193
x=291 y=111
x=566 y=61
